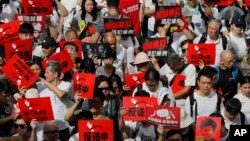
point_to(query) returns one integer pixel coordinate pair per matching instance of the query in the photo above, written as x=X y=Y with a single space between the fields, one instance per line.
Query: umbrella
x=228 y=12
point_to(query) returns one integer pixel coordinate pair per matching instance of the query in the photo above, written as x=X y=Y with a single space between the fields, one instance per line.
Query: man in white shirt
x=57 y=91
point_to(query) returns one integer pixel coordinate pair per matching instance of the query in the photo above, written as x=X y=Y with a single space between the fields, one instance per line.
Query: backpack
x=235 y=73
x=204 y=39
x=193 y=101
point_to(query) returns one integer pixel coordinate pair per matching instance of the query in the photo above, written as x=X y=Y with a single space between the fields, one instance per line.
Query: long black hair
x=93 y=12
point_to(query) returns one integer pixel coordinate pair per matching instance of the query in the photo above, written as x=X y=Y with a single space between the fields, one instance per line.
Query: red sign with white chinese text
x=84 y=84
x=169 y=117
x=96 y=130
x=38 y=21
x=9 y=31
x=36 y=108
x=37 y=6
x=23 y=48
x=137 y=107
x=19 y=72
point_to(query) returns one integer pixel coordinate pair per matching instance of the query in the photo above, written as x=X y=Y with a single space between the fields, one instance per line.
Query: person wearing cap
x=237 y=37
x=176 y=65
x=48 y=47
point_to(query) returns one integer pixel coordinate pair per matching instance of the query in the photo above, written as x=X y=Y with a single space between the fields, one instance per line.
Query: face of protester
x=89 y=5
x=21 y=127
x=25 y=36
x=175 y=137
x=49 y=75
x=71 y=36
x=111 y=40
x=245 y=89
x=228 y=61
x=207 y=132
x=205 y=84
x=165 y=101
x=51 y=132
x=229 y=116
x=71 y=49
x=36 y=68
x=104 y=87
x=192 y=3
x=108 y=61
x=3 y=98
x=152 y=85
x=213 y=30
x=143 y=67
x=116 y=89
x=47 y=52
x=237 y=29
x=95 y=105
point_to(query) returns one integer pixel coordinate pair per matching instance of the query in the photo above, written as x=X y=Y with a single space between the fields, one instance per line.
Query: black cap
x=48 y=42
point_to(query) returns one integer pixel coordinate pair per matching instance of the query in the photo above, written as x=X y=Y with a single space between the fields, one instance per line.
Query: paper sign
x=23 y=48
x=223 y=2
x=178 y=83
x=96 y=130
x=207 y=128
x=36 y=108
x=38 y=21
x=154 y=43
x=165 y=12
x=134 y=80
x=119 y=26
x=63 y=58
x=13 y=138
x=76 y=42
x=9 y=31
x=99 y=49
x=137 y=107
x=37 y=6
x=169 y=117
x=84 y=83
x=201 y=52
x=19 y=72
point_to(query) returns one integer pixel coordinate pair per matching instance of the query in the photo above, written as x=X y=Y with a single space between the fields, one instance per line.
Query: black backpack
x=204 y=39
x=193 y=101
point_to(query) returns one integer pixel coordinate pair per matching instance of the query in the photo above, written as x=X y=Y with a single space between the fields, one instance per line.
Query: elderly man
x=50 y=132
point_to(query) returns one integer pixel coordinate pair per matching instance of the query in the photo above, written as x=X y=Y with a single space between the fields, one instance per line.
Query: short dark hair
x=173 y=132
x=244 y=80
x=26 y=28
x=152 y=75
x=233 y=106
x=99 y=94
x=208 y=122
x=208 y=72
x=99 y=79
x=218 y=114
x=142 y=93
x=87 y=65
x=115 y=78
x=113 y=3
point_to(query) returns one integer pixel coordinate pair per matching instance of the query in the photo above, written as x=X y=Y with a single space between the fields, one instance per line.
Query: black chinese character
x=140 y=112
x=44 y=9
x=104 y=136
x=132 y=111
x=87 y=136
x=37 y=10
x=30 y=10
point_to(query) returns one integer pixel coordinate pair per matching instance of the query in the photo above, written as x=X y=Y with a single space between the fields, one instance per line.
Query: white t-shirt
x=218 y=47
x=74 y=137
x=146 y=133
x=245 y=104
x=238 y=45
x=70 y=5
x=152 y=94
x=202 y=108
x=59 y=106
x=130 y=50
x=121 y=58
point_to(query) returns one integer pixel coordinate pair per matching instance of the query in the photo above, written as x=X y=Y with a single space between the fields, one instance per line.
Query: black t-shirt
x=5 y=111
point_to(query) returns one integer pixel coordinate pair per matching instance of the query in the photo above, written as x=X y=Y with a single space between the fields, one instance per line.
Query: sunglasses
x=22 y=126
x=106 y=88
x=183 y=50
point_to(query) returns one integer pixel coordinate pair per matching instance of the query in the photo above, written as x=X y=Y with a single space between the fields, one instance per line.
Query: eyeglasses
x=105 y=88
x=22 y=126
x=230 y=61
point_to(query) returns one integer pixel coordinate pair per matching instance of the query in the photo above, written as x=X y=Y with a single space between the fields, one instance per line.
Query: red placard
x=63 y=58
x=133 y=80
x=119 y=26
x=93 y=130
x=201 y=52
x=137 y=107
x=36 y=108
x=165 y=12
x=19 y=72
x=90 y=28
x=76 y=42
x=223 y=2
x=38 y=20
x=247 y=3
x=154 y=43
x=9 y=31
x=37 y=6
x=207 y=128
x=84 y=83
x=179 y=83
x=23 y=48
x=169 y=117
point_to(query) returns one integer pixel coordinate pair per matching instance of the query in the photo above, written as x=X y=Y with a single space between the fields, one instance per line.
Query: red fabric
x=130 y=8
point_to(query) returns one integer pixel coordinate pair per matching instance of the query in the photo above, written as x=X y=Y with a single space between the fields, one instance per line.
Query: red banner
x=76 y=42
x=207 y=128
x=154 y=43
x=201 y=52
x=37 y=6
x=36 y=108
x=9 y=31
x=137 y=107
x=38 y=21
x=133 y=80
x=165 y=12
x=169 y=117
x=179 y=83
x=94 y=130
x=84 y=83
x=119 y=26
x=19 y=72
x=223 y=2
x=63 y=58
x=23 y=48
